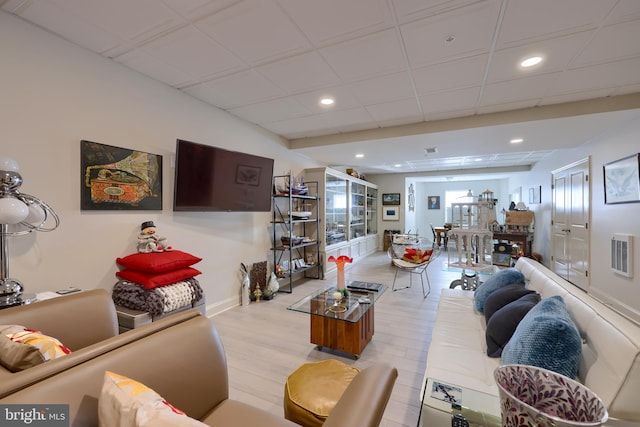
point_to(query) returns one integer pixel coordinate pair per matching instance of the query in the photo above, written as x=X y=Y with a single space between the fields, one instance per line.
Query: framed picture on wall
x=115 y=178
x=391 y=199
x=622 y=180
x=391 y=213
x=433 y=202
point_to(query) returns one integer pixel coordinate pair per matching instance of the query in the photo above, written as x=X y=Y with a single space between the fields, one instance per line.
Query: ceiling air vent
x=621 y=256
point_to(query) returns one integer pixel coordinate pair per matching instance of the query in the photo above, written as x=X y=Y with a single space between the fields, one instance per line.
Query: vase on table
x=535 y=397
x=340 y=262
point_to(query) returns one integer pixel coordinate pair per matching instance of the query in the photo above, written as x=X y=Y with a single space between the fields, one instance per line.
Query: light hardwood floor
x=265 y=342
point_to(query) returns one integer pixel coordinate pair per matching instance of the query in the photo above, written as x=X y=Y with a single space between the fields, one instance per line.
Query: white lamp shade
x=12 y=210
x=8 y=164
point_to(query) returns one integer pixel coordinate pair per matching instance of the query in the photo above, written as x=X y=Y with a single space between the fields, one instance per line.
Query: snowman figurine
x=149 y=241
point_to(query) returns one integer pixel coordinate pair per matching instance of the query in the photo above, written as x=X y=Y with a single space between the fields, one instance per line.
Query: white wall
x=55 y=94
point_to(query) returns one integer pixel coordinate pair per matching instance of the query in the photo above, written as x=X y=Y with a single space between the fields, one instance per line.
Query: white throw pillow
x=124 y=402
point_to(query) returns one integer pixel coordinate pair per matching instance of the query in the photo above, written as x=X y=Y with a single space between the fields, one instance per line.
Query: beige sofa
x=85 y=322
x=186 y=364
x=610 y=364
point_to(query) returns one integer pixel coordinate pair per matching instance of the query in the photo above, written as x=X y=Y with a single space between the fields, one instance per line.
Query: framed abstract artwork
x=114 y=178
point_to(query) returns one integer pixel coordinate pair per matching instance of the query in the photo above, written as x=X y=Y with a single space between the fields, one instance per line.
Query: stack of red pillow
x=155 y=269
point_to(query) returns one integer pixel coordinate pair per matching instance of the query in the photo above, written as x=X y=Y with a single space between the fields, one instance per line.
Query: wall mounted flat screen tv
x=214 y=179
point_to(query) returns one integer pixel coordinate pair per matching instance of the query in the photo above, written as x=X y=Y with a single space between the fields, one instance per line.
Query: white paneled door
x=570 y=223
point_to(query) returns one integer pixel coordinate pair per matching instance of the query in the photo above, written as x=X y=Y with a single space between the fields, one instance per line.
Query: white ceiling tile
x=343 y=98
x=144 y=63
x=143 y=19
x=381 y=89
x=450 y=100
x=69 y=26
x=300 y=73
x=330 y=20
x=238 y=89
x=624 y=10
x=557 y=53
x=450 y=75
x=471 y=26
x=579 y=96
x=610 y=43
x=395 y=110
x=196 y=9
x=409 y=10
x=271 y=111
x=378 y=53
x=255 y=30
x=527 y=88
x=189 y=50
x=525 y=19
x=598 y=77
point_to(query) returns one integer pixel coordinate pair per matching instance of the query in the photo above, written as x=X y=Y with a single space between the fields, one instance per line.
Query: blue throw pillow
x=503 y=323
x=498 y=280
x=547 y=338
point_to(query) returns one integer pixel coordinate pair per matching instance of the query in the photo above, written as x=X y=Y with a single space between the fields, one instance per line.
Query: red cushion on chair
x=417 y=256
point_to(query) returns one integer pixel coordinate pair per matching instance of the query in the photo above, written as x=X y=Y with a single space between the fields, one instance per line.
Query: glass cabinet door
x=372 y=211
x=335 y=209
x=357 y=211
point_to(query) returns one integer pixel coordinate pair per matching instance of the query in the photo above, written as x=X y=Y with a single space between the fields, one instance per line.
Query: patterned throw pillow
x=547 y=338
x=22 y=348
x=124 y=402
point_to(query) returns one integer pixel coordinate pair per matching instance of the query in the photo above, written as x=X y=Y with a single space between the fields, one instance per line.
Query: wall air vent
x=621 y=254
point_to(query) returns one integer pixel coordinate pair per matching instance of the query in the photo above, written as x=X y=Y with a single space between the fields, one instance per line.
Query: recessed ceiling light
x=516 y=140
x=530 y=62
x=477 y=159
x=397 y=165
x=327 y=101
x=359 y=155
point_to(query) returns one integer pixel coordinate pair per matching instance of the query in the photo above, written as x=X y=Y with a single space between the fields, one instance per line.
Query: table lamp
x=19 y=214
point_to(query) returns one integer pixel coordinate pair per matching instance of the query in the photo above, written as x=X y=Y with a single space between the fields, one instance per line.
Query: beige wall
x=53 y=95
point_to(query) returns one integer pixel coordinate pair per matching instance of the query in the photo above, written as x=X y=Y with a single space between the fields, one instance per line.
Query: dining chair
x=412 y=268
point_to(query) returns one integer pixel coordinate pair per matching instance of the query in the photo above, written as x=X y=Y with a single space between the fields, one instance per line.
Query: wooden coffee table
x=346 y=326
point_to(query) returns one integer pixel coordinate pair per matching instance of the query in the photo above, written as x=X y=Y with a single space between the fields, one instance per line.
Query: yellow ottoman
x=313 y=389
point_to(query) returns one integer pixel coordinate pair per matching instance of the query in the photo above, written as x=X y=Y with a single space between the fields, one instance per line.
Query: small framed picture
x=433 y=202
x=391 y=199
x=285 y=265
x=301 y=263
x=391 y=213
x=622 y=180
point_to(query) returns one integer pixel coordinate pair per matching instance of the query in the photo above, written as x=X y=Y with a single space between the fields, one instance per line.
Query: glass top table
x=344 y=325
x=351 y=308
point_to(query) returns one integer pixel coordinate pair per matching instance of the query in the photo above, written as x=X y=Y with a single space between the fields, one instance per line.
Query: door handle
x=566 y=230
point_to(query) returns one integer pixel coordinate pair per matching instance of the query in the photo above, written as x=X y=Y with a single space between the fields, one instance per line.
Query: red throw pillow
x=151 y=281
x=158 y=262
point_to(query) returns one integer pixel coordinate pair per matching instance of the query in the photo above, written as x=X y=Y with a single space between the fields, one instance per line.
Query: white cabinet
x=348 y=220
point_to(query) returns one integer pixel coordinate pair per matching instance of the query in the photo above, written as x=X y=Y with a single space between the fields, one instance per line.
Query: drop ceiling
x=406 y=75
